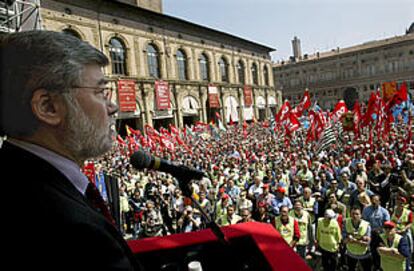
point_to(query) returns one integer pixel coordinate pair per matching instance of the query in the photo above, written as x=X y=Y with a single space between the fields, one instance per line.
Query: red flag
x=371 y=109
x=293 y=123
x=304 y=104
x=120 y=140
x=174 y=130
x=357 y=118
x=339 y=110
x=283 y=112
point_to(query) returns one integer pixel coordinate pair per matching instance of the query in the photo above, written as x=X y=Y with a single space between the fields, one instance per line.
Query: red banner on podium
x=126 y=96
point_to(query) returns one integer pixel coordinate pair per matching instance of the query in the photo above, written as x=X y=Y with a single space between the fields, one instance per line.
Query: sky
x=321 y=25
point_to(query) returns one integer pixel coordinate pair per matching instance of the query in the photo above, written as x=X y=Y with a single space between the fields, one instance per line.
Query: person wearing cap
x=221 y=204
x=357 y=236
x=279 y=201
x=266 y=196
x=328 y=239
x=287 y=226
x=305 y=227
x=243 y=202
x=393 y=249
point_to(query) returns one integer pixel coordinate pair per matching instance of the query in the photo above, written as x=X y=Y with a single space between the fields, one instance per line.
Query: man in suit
x=56 y=112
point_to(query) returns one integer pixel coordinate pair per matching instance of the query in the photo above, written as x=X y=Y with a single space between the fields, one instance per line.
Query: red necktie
x=95 y=198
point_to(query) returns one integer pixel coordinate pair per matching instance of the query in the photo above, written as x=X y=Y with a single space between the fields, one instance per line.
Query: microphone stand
x=184 y=183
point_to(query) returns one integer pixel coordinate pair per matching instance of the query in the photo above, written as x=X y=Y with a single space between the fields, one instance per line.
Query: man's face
x=375 y=201
x=356 y=215
x=88 y=130
x=284 y=212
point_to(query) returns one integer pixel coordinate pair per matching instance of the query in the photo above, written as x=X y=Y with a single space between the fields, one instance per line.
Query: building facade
x=364 y=67
x=147 y=46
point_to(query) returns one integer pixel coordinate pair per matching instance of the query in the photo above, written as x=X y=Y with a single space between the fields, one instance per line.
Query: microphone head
x=140 y=160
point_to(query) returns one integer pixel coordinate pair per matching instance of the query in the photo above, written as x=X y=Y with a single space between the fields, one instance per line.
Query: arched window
x=204 y=71
x=266 y=75
x=240 y=72
x=118 y=56
x=72 y=32
x=223 y=66
x=153 y=61
x=255 y=75
x=182 y=65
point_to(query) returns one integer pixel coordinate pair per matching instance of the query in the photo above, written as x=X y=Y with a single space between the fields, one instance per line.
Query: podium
x=253 y=246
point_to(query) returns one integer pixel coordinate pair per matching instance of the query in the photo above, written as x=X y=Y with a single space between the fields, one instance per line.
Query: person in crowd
x=246 y=216
x=393 y=249
x=56 y=113
x=279 y=201
x=189 y=221
x=328 y=239
x=305 y=227
x=229 y=218
x=287 y=226
x=356 y=234
x=376 y=215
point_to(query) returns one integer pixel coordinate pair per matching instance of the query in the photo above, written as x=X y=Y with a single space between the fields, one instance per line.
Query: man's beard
x=82 y=136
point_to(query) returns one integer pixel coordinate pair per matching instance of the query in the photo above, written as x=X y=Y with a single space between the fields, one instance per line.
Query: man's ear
x=48 y=107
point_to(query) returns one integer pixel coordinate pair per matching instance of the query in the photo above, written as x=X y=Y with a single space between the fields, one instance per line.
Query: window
x=240 y=72
x=182 y=65
x=153 y=61
x=266 y=75
x=204 y=71
x=118 y=56
x=255 y=76
x=223 y=66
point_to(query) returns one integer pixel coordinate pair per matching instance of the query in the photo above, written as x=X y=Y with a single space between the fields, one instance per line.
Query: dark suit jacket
x=49 y=225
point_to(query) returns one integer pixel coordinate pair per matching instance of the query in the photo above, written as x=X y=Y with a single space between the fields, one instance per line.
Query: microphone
x=140 y=160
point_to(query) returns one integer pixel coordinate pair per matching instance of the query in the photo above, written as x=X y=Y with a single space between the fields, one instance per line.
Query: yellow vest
x=402 y=221
x=286 y=231
x=389 y=263
x=303 y=226
x=329 y=236
x=353 y=248
x=309 y=204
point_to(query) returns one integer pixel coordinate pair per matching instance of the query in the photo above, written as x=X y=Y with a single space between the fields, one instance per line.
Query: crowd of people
x=352 y=199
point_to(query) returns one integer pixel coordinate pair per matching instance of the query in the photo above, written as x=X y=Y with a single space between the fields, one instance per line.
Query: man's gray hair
x=38 y=59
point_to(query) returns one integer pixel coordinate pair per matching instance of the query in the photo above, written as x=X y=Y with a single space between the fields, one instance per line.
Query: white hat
x=329 y=213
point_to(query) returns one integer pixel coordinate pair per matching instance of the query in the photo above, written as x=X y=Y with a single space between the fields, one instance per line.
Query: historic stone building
x=364 y=67
x=160 y=55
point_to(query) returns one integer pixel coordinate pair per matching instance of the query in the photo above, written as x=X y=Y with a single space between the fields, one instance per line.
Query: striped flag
x=328 y=137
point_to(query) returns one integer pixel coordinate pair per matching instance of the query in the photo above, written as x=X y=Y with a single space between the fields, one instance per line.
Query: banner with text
x=126 y=96
x=213 y=97
x=248 y=97
x=162 y=95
